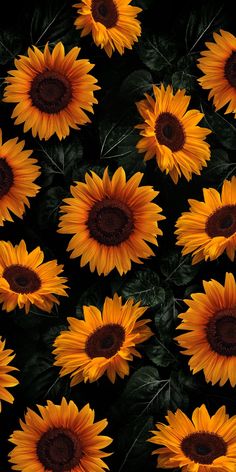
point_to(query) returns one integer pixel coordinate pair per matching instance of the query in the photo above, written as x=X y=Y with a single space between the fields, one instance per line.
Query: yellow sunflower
x=210 y=322
x=103 y=342
x=209 y=228
x=60 y=439
x=205 y=444
x=51 y=90
x=113 y=23
x=219 y=66
x=25 y=280
x=17 y=174
x=110 y=220
x=171 y=135
x=6 y=380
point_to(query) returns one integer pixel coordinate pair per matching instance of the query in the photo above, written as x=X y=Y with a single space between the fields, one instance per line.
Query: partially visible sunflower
x=209 y=228
x=51 y=90
x=111 y=219
x=103 y=342
x=25 y=280
x=205 y=444
x=17 y=174
x=218 y=64
x=171 y=135
x=113 y=23
x=6 y=380
x=60 y=439
x=210 y=322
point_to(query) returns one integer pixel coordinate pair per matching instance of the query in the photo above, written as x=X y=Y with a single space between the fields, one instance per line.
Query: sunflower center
x=169 y=131
x=6 y=177
x=50 y=91
x=110 y=222
x=222 y=222
x=105 y=341
x=105 y=12
x=21 y=279
x=59 y=450
x=230 y=69
x=221 y=332
x=203 y=447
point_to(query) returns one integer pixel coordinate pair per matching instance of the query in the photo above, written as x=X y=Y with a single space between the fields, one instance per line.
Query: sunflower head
x=210 y=325
x=26 y=280
x=113 y=23
x=209 y=228
x=203 y=444
x=102 y=342
x=171 y=135
x=6 y=379
x=60 y=439
x=52 y=90
x=17 y=175
x=218 y=64
x=110 y=220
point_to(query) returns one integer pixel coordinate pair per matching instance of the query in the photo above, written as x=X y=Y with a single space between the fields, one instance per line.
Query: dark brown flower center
x=222 y=222
x=110 y=222
x=21 y=279
x=105 y=12
x=230 y=69
x=6 y=177
x=50 y=91
x=221 y=332
x=169 y=131
x=203 y=448
x=105 y=341
x=59 y=450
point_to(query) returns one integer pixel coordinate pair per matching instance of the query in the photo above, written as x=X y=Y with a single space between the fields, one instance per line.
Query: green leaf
x=94 y=295
x=136 y=84
x=48 y=211
x=184 y=77
x=223 y=129
x=144 y=286
x=10 y=46
x=157 y=52
x=50 y=22
x=158 y=353
x=165 y=318
x=202 y=22
x=178 y=269
x=119 y=141
x=219 y=167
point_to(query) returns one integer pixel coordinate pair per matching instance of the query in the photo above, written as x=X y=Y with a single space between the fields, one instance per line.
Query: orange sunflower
x=17 y=175
x=210 y=322
x=218 y=64
x=205 y=444
x=24 y=280
x=60 y=439
x=103 y=342
x=6 y=380
x=209 y=228
x=171 y=135
x=51 y=90
x=113 y=23
x=110 y=220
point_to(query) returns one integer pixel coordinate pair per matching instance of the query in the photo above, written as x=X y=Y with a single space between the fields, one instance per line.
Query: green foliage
x=144 y=286
x=157 y=52
x=178 y=269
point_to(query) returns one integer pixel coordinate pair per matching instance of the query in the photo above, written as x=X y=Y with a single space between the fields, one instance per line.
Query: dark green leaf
x=223 y=129
x=158 y=353
x=50 y=22
x=144 y=4
x=165 y=318
x=219 y=166
x=144 y=286
x=157 y=52
x=50 y=203
x=10 y=46
x=202 y=22
x=136 y=84
x=178 y=269
x=92 y=296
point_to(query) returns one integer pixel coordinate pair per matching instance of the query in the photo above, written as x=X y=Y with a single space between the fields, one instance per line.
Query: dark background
x=173 y=35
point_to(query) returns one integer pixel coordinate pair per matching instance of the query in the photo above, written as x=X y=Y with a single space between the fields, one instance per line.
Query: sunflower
x=113 y=23
x=209 y=227
x=6 y=380
x=17 y=175
x=219 y=66
x=103 y=342
x=210 y=322
x=170 y=133
x=25 y=280
x=110 y=220
x=51 y=90
x=60 y=439
x=205 y=444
